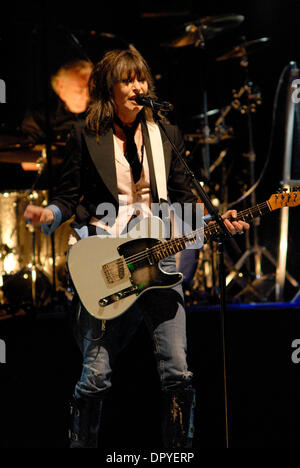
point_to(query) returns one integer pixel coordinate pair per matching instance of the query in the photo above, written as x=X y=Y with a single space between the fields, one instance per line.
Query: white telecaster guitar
x=110 y=274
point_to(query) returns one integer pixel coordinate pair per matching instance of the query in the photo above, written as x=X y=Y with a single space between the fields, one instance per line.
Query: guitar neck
x=167 y=248
x=246 y=215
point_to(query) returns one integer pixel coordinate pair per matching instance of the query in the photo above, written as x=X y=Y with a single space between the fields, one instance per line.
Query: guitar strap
x=158 y=160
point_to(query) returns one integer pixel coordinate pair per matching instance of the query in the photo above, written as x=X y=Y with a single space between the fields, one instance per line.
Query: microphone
x=147 y=101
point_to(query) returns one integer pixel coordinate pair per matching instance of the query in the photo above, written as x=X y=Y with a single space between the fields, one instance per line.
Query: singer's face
x=124 y=93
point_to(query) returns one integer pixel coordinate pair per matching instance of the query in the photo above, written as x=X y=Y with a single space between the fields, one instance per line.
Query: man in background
x=70 y=84
x=71 y=96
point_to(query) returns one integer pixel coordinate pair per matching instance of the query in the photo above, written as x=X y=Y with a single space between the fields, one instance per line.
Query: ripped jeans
x=164 y=315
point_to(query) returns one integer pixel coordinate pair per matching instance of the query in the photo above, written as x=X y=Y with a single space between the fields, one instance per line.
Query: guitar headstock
x=284 y=198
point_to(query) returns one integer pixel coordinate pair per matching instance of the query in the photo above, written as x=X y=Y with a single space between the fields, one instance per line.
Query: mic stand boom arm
x=224 y=234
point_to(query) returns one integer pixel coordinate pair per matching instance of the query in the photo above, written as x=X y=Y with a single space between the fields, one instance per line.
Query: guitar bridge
x=116 y=270
x=105 y=301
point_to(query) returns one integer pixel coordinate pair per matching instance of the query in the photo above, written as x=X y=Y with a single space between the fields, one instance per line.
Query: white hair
x=81 y=67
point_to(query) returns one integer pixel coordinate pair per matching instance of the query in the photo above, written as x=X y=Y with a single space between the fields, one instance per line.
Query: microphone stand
x=224 y=234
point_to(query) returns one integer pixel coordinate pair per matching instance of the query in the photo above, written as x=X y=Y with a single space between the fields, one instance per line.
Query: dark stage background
x=42 y=360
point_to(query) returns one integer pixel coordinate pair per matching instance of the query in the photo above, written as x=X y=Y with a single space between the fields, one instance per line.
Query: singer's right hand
x=38 y=215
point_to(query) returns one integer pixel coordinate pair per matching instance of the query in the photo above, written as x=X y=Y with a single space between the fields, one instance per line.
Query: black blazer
x=88 y=175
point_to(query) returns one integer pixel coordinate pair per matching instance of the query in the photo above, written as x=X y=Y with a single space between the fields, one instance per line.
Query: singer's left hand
x=234 y=227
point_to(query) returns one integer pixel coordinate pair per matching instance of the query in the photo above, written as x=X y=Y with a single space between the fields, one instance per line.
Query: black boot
x=85 y=417
x=178 y=418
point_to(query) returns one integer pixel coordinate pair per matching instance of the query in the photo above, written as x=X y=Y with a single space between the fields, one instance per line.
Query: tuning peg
x=282 y=190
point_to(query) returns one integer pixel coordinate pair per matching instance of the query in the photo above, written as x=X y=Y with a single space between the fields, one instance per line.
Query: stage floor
x=43 y=364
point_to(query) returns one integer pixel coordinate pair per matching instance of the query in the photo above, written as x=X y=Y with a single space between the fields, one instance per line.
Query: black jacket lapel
x=103 y=157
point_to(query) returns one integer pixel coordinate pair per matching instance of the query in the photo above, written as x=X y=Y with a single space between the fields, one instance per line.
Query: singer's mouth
x=133 y=98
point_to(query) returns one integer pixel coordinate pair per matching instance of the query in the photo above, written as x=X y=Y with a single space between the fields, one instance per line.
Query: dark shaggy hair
x=114 y=66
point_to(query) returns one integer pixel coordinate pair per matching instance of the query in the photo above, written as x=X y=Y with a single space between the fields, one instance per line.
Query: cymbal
x=95 y=43
x=208 y=113
x=17 y=154
x=164 y=14
x=200 y=138
x=244 y=49
x=10 y=139
x=211 y=139
x=227 y=21
x=193 y=33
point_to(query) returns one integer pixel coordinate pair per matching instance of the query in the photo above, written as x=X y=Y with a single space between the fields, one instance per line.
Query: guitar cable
x=103 y=327
x=254 y=186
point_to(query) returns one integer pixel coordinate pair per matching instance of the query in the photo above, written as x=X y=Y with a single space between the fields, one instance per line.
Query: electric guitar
x=110 y=274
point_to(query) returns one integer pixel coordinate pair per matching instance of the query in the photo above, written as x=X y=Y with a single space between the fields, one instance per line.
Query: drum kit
x=26 y=261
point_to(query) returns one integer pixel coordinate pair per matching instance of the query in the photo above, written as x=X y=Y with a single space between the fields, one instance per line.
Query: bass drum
x=61 y=245
x=28 y=286
x=16 y=237
x=23 y=245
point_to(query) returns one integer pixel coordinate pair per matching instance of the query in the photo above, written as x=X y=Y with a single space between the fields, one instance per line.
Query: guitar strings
x=161 y=245
x=213 y=227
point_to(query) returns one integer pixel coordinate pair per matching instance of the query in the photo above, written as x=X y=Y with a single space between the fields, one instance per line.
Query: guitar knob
x=103 y=302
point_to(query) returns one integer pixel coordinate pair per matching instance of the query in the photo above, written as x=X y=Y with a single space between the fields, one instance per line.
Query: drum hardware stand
x=218 y=160
x=4 y=251
x=205 y=131
x=200 y=42
x=240 y=278
x=32 y=229
x=253 y=99
x=205 y=147
x=33 y=265
x=255 y=250
x=41 y=162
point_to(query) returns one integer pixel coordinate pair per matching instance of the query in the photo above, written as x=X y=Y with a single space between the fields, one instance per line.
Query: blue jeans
x=164 y=315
